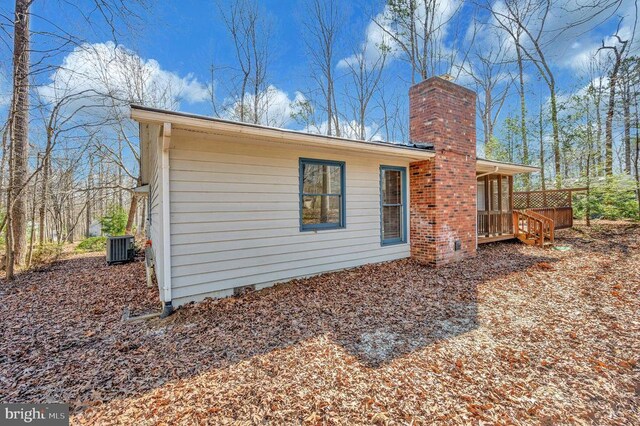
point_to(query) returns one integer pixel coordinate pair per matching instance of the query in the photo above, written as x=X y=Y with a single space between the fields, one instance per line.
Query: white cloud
x=379 y=29
x=274 y=107
x=120 y=74
x=570 y=40
x=348 y=129
x=375 y=39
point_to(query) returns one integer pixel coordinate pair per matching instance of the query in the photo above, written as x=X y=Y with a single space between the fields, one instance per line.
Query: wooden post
x=511 y=195
x=487 y=204
x=499 y=217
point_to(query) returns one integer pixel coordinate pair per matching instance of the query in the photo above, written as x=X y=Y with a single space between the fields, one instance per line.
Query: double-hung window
x=393 y=204
x=322 y=203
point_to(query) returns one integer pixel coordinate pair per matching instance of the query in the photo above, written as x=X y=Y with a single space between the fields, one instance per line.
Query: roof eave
x=189 y=121
x=487 y=166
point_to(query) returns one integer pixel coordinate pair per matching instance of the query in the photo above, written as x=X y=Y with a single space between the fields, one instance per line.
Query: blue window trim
x=343 y=204
x=403 y=238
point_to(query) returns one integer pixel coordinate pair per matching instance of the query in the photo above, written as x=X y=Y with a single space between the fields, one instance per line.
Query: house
x=235 y=205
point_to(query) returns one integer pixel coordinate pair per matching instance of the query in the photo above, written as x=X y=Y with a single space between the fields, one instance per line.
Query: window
x=481 y=200
x=393 y=204
x=506 y=203
x=322 y=204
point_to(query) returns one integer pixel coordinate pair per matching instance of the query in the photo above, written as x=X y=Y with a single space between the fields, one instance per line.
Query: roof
x=492 y=166
x=182 y=120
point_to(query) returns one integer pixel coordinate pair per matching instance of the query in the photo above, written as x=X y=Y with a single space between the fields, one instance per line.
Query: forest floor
x=516 y=335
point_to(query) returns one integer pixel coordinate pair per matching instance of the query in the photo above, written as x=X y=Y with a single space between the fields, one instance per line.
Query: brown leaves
x=517 y=335
x=459 y=364
x=546 y=266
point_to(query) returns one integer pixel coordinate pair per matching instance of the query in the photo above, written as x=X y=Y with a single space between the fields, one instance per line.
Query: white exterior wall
x=154 y=218
x=235 y=217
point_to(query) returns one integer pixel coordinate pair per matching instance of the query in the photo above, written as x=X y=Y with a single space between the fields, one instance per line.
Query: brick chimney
x=443 y=189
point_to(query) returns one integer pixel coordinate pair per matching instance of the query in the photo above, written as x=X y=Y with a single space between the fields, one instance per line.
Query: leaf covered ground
x=517 y=335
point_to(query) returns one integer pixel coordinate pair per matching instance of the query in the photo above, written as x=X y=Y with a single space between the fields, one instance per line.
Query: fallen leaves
x=516 y=335
x=546 y=266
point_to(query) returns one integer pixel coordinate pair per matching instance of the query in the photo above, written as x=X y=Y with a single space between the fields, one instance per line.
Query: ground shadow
x=377 y=313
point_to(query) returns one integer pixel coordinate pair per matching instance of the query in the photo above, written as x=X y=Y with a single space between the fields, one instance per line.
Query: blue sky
x=186 y=37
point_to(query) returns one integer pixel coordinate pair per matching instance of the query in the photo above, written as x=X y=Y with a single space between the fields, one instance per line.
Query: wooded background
x=70 y=152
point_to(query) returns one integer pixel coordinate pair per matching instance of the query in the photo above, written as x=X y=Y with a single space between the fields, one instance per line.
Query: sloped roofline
x=148 y=115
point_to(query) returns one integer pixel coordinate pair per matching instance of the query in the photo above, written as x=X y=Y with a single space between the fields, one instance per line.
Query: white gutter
x=165 y=142
x=142 y=189
x=505 y=168
x=250 y=131
x=488 y=173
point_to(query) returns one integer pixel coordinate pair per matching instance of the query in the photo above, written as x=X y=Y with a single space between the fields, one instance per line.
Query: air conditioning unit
x=120 y=249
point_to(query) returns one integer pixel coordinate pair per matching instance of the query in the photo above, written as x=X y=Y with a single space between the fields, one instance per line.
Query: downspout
x=488 y=173
x=478 y=176
x=165 y=142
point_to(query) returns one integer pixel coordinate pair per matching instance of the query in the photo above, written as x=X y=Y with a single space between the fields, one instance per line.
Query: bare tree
x=19 y=139
x=541 y=130
x=111 y=12
x=250 y=32
x=525 y=21
x=394 y=116
x=323 y=26
x=618 y=51
x=488 y=67
x=637 y=156
x=523 y=111
x=416 y=29
x=629 y=76
x=596 y=93
x=365 y=74
x=61 y=118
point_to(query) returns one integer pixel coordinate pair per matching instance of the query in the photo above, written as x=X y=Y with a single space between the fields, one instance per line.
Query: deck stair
x=533 y=228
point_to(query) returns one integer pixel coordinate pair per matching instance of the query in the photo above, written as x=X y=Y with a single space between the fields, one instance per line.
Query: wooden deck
x=562 y=216
x=530 y=216
x=483 y=239
x=555 y=204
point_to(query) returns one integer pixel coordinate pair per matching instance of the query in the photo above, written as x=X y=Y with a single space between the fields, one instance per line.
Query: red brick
x=443 y=189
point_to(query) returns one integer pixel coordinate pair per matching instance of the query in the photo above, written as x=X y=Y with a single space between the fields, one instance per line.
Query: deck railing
x=562 y=216
x=494 y=223
x=555 y=204
x=533 y=228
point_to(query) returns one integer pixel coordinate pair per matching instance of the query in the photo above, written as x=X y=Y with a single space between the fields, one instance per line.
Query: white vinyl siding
x=235 y=217
x=155 y=194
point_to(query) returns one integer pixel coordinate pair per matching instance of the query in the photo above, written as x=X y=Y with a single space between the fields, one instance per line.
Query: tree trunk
x=488 y=131
x=613 y=81
x=133 y=207
x=599 y=150
x=70 y=225
x=542 y=178
x=33 y=218
x=20 y=131
x=626 y=101
x=324 y=200
x=87 y=231
x=587 y=210
x=637 y=172
x=637 y=159
x=44 y=190
x=4 y=158
x=523 y=121
x=556 y=137
x=142 y=227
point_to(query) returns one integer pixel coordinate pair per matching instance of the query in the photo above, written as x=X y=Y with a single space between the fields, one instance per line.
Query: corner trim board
x=166 y=212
